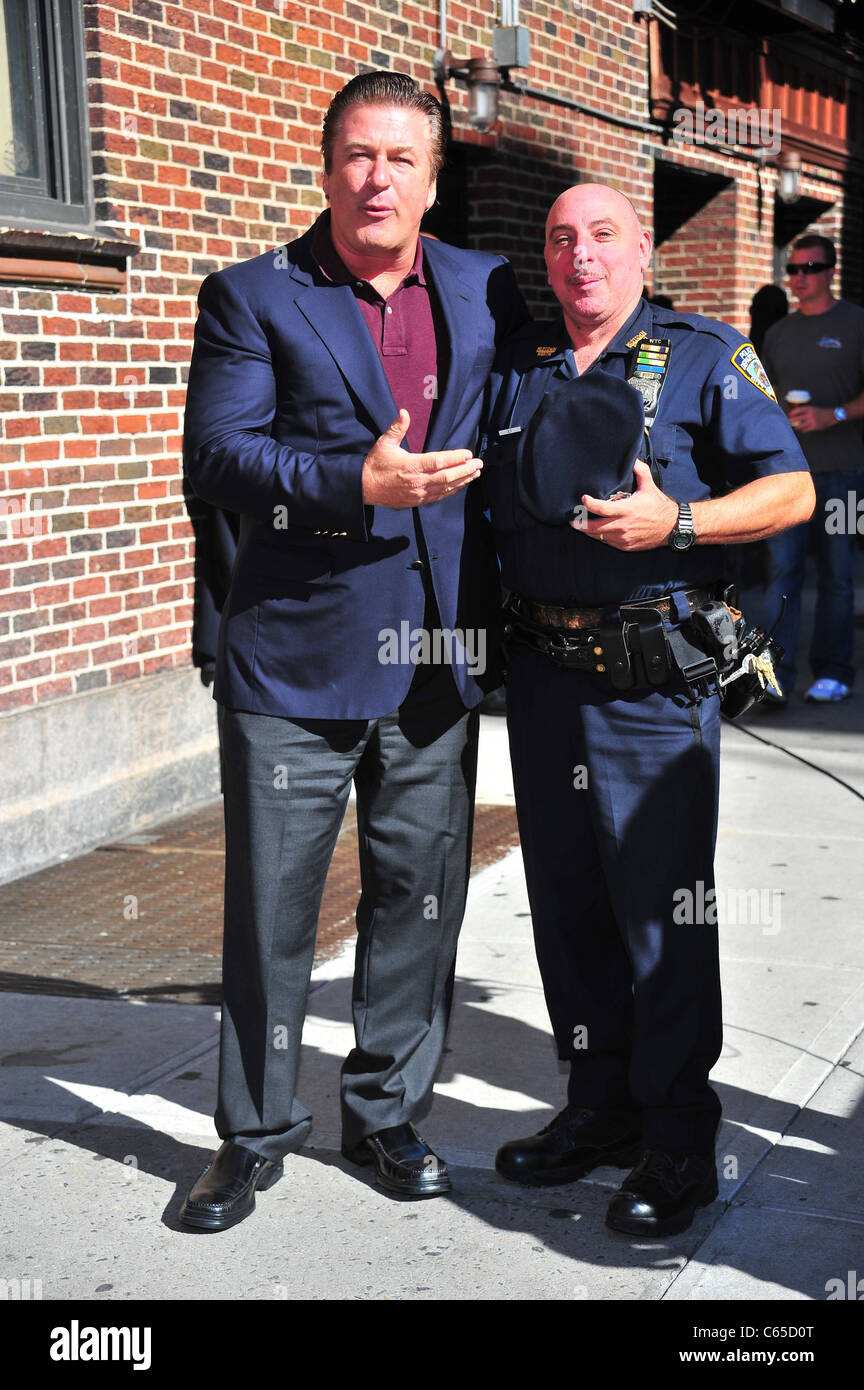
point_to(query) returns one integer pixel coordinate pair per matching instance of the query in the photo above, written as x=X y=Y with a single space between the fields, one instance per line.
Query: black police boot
x=661 y=1196
x=573 y=1143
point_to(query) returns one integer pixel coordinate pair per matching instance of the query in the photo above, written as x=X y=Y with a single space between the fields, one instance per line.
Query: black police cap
x=585 y=436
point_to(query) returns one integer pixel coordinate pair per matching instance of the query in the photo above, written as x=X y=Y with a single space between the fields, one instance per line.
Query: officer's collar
x=542 y=344
x=639 y=325
x=555 y=344
x=555 y=347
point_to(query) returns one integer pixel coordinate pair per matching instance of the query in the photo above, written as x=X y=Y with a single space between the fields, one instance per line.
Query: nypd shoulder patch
x=746 y=359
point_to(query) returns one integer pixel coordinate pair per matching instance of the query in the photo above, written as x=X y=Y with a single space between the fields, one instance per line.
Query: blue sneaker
x=827 y=692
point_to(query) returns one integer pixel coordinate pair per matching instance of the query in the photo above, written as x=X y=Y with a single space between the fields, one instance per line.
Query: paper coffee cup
x=797 y=397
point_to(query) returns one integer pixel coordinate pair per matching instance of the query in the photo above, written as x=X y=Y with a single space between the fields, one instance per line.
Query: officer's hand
x=394 y=478
x=805 y=418
x=641 y=521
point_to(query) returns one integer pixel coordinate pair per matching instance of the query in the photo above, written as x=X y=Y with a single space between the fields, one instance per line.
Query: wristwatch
x=683 y=536
x=839 y=414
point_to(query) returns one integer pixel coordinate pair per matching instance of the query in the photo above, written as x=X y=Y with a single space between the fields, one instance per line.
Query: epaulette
x=697 y=323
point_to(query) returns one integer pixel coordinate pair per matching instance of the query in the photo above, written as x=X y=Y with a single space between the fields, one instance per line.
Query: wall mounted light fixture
x=482 y=78
x=789 y=182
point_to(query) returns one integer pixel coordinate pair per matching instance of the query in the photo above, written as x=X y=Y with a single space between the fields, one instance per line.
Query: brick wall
x=205 y=121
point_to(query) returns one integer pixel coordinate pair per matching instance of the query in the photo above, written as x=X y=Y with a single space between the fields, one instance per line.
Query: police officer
x=614 y=748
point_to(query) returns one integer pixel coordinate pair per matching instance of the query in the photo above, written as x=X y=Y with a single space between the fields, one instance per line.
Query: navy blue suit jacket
x=286 y=396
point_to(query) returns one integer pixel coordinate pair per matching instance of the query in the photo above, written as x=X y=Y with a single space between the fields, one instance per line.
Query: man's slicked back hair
x=817 y=243
x=385 y=89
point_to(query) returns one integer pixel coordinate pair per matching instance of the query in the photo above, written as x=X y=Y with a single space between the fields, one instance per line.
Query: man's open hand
x=394 y=478
x=641 y=521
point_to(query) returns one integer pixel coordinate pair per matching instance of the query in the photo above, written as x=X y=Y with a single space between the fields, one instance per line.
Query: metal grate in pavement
x=142 y=917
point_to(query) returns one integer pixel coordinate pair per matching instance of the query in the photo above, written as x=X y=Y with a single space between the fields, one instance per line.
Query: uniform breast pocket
x=502 y=448
x=664 y=440
x=500 y=478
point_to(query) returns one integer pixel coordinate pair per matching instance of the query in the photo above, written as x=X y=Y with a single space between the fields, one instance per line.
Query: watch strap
x=684 y=529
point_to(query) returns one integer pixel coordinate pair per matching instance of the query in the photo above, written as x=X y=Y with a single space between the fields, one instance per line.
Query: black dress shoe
x=405 y=1165
x=574 y=1142
x=225 y=1192
x=661 y=1195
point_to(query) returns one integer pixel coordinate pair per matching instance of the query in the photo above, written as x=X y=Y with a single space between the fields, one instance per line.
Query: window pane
x=72 y=85
x=18 y=147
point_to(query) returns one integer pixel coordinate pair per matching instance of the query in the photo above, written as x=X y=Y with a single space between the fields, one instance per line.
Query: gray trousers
x=286 y=785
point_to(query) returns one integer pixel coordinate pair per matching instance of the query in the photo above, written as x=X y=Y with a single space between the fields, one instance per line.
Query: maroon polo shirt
x=409 y=332
x=404 y=329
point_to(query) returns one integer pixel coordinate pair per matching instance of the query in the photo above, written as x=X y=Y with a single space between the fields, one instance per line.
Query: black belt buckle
x=691 y=661
x=555 y=643
x=569 y=652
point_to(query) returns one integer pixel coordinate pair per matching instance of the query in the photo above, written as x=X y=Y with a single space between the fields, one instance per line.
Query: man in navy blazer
x=333 y=403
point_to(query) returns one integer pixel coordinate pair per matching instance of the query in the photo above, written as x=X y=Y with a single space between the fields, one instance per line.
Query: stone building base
x=102 y=765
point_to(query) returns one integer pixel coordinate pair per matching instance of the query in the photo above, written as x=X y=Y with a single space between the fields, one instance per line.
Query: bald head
x=597 y=196
x=596 y=255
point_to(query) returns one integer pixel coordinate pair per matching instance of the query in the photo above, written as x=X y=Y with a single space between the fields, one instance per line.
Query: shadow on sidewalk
x=567 y=1219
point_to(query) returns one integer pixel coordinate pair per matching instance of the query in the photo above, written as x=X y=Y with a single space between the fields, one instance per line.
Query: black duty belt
x=551 y=615
x=629 y=643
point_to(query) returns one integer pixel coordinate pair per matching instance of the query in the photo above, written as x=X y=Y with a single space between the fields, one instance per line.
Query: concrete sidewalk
x=106 y=1103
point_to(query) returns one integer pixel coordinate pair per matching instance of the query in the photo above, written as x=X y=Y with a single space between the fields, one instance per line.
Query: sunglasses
x=808 y=268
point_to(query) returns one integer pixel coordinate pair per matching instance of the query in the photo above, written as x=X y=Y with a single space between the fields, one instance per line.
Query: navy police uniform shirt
x=718 y=426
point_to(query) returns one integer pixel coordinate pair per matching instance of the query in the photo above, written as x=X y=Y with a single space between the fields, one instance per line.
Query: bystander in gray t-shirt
x=822 y=354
